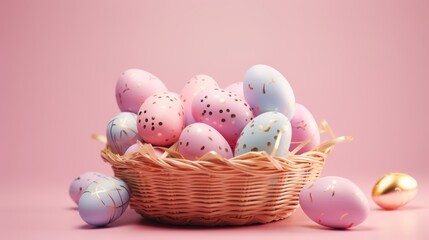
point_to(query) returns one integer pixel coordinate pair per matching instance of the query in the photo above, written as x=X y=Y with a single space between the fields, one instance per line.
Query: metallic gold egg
x=394 y=190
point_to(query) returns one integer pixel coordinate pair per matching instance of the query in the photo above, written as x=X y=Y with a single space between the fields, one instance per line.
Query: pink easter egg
x=334 y=202
x=198 y=139
x=224 y=111
x=136 y=147
x=161 y=119
x=191 y=89
x=134 y=86
x=236 y=88
x=79 y=184
x=304 y=126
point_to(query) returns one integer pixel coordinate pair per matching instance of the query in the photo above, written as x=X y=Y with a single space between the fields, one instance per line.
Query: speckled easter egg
x=122 y=132
x=104 y=201
x=161 y=119
x=198 y=139
x=224 y=111
x=236 y=88
x=334 y=202
x=79 y=184
x=262 y=133
x=134 y=86
x=191 y=89
x=266 y=89
x=304 y=127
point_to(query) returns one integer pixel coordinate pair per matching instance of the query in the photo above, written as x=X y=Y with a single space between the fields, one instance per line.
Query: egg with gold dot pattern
x=104 y=201
x=198 y=139
x=262 y=133
x=79 y=184
x=122 y=132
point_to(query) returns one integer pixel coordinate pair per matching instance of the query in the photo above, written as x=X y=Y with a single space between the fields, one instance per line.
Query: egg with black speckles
x=236 y=88
x=161 y=119
x=262 y=133
x=266 y=89
x=224 y=111
x=79 y=184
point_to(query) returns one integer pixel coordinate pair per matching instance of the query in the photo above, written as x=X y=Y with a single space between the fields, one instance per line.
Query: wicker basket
x=212 y=191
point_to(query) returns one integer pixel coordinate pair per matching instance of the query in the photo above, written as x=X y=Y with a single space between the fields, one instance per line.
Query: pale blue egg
x=266 y=89
x=122 y=132
x=104 y=201
x=262 y=133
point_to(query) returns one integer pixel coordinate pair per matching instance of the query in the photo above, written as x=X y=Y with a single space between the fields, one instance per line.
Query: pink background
x=361 y=65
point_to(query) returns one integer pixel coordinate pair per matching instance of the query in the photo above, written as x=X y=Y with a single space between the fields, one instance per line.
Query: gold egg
x=394 y=190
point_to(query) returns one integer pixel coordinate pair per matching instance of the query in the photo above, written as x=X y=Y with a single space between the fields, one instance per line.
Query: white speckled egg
x=334 y=202
x=104 y=201
x=122 y=132
x=134 y=86
x=266 y=89
x=191 y=89
x=161 y=119
x=198 y=139
x=223 y=110
x=79 y=184
x=262 y=133
x=304 y=127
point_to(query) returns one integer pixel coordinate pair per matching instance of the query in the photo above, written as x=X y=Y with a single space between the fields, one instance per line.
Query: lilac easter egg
x=266 y=89
x=161 y=119
x=198 y=139
x=79 y=184
x=191 y=89
x=236 y=88
x=136 y=147
x=224 y=111
x=304 y=127
x=134 y=86
x=262 y=133
x=104 y=201
x=122 y=132
x=334 y=202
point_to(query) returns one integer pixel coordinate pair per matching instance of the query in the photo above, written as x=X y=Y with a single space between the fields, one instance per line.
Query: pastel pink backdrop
x=361 y=65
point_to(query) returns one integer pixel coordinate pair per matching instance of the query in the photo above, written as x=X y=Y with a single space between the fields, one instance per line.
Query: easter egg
x=122 y=132
x=134 y=86
x=222 y=110
x=262 y=133
x=79 y=184
x=198 y=139
x=304 y=127
x=394 y=190
x=136 y=147
x=161 y=119
x=266 y=89
x=104 y=201
x=191 y=89
x=236 y=88
x=334 y=202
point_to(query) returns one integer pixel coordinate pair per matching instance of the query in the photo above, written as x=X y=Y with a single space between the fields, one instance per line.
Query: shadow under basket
x=252 y=188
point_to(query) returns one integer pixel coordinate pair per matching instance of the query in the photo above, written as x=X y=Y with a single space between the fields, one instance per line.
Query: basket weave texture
x=212 y=191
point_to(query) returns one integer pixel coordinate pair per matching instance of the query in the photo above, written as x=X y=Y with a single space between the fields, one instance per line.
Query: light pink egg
x=136 y=147
x=191 y=89
x=236 y=88
x=334 y=202
x=134 y=86
x=304 y=127
x=161 y=119
x=198 y=139
x=224 y=111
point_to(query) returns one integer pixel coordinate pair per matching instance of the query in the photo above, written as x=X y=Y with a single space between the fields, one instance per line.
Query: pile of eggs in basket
x=243 y=117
